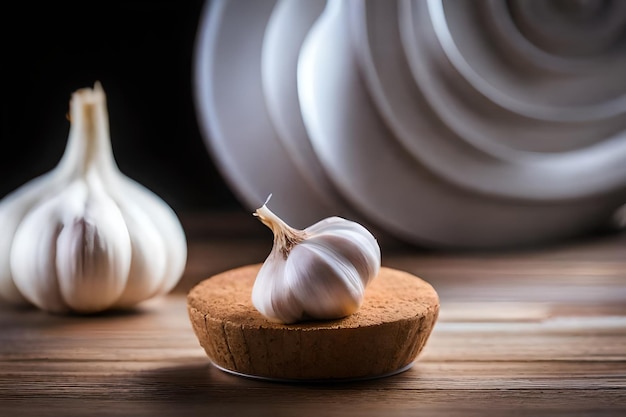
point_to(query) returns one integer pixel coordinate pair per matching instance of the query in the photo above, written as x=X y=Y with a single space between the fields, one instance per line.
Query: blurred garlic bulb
x=317 y=273
x=84 y=237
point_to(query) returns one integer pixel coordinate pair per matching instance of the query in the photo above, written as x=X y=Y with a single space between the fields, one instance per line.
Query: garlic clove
x=38 y=263
x=168 y=226
x=271 y=295
x=148 y=255
x=93 y=257
x=351 y=239
x=338 y=287
x=320 y=272
x=12 y=210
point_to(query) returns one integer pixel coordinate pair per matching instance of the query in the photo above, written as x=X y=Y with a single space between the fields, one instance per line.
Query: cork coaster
x=383 y=337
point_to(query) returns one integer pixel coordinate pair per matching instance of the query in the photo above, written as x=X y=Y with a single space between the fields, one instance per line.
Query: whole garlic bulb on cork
x=320 y=272
x=84 y=237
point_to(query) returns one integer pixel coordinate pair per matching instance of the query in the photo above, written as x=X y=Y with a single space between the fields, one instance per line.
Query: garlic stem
x=285 y=236
x=88 y=140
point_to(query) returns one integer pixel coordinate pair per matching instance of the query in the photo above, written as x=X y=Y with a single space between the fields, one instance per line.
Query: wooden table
x=533 y=332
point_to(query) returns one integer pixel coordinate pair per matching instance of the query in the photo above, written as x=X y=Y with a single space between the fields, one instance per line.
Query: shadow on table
x=203 y=383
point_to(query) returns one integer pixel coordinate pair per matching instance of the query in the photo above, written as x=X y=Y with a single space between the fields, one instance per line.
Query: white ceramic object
x=383 y=180
x=579 y=89
x=402 y=112
x=485 y=140
x=285 y=32
x=465 y=144
x=508 y=38
x=574 y=29
x=233 y=115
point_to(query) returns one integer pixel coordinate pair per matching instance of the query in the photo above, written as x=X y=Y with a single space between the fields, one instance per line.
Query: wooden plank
x=533 y=333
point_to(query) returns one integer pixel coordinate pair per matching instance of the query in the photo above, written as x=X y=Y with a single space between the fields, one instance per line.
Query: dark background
x=142 y=53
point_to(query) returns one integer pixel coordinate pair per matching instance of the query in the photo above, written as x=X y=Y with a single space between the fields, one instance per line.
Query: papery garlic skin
x=320 y=272
x=84 y=237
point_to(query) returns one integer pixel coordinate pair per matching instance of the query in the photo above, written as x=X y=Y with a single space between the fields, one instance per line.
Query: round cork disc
x=383 y=337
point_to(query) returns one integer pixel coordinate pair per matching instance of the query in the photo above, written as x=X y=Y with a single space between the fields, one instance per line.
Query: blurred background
x=141 y=51
x=143 y=54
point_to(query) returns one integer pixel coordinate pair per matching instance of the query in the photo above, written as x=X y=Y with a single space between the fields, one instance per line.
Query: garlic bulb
x=84 y=237
x=317 y=273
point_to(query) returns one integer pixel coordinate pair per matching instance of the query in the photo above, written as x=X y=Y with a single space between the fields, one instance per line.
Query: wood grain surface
x=533 y=332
